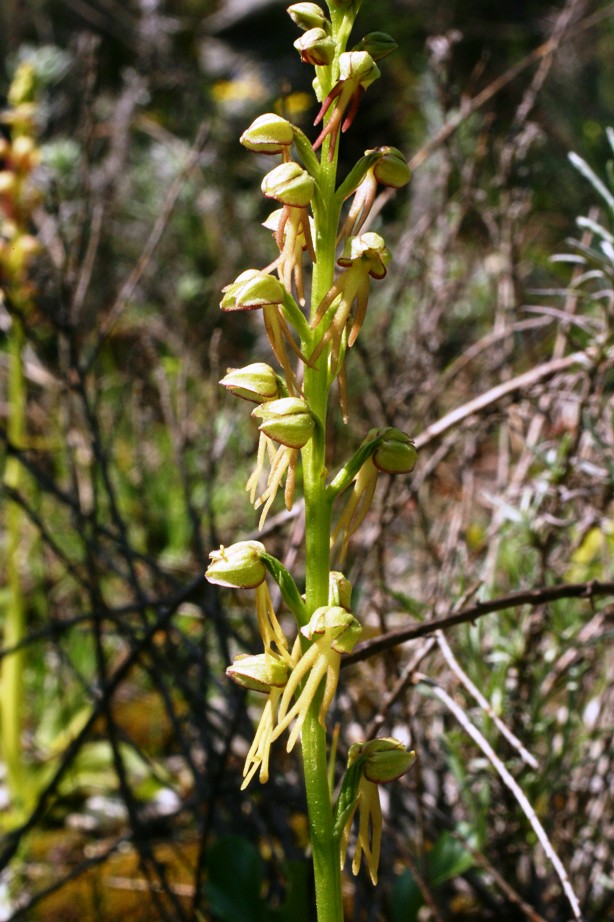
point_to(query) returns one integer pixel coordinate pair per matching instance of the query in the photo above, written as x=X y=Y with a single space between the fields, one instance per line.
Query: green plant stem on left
x=11 y=700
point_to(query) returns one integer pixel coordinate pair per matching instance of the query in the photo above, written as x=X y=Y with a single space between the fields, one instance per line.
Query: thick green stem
x=11 y=707
x=324 y=844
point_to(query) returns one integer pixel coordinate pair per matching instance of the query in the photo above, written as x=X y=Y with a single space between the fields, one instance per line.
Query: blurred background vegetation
x=123 y=797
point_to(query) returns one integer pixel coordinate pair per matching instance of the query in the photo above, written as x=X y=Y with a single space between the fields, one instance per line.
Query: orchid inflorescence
x=299 y=674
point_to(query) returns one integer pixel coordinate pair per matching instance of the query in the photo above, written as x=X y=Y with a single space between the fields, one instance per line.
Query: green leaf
x=356 y=175
x=297 y=905
x=306 y=153
x=295 y=316
x=288 y=588
x=448 y=859
x=405 y=898
x=409 y=604
x=235 y=870
x=348 y=472
x=347 y=796
x=583 y=167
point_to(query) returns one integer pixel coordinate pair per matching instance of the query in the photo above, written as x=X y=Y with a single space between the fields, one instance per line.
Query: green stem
x=324 y=843
x=11 y=707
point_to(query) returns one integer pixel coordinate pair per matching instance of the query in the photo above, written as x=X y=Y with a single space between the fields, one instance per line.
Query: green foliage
x=236 y=882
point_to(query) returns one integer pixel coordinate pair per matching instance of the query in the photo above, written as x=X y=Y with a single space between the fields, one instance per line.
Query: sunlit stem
x=11 y=699
x=325 y=848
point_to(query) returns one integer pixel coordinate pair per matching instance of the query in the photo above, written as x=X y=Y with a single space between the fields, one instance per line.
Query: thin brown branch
x=538 y=596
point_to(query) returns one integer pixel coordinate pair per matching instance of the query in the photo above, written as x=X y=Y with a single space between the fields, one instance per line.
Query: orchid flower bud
x=385 y=759
x=357 y=71
x=308 y=16
x=370 y=250
x=239 y=566
x=252 y=290
x=378 y=761
x=256 y=382
x=391 y=168
x=359 y=67
x=396 y=453
x=338 y=625
x=316 y=47
x=259 y=672
x=378 y=44
x=268 y=134
x=289 y=184
x=333 y=632
x=288 y=421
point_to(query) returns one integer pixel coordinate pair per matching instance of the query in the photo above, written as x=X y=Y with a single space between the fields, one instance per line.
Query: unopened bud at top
x=308 y=16
x=268 y=134
x=378 y=44
x=256 y=382
x=396 y=453
x=288 y=421
x=260 y=672
x=251 y=290
x=289 y=184
x=337 y=624
x=384 y=759
x=316 y=47
x=239 y=566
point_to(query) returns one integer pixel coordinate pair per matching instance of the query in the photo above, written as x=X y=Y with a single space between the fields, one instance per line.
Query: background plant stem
x=11 y=708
